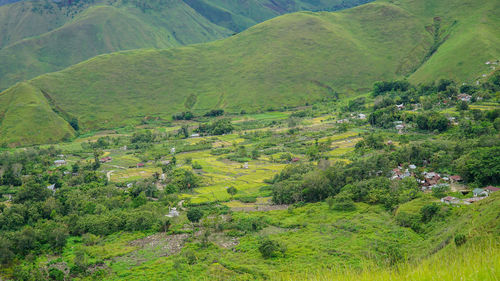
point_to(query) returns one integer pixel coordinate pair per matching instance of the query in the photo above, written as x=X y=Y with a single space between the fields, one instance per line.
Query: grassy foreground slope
x=289 y=60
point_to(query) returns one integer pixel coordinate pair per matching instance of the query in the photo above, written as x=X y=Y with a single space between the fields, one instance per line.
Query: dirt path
x=108 y=175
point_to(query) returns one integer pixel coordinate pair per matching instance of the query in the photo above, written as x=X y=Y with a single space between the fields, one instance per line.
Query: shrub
x=428 y=212
x=460 y=239
x=269 y=248
x=56 y=274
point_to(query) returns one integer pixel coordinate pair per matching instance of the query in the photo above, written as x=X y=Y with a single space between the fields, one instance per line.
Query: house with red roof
x=490 y=189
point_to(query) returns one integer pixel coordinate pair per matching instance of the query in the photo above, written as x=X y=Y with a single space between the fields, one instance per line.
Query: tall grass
x=475 y=261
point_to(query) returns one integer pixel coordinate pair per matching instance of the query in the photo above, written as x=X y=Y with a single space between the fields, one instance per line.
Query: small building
x=172 y=213
x=140 y=165
x=400 y=106
x=172 y=150
x=52 y=188
x=412 y=167
x=195 y=135
x=469 y=201
x=450 y=200
x=490 y=189
x=105 y=159
x=295 y=160
x=60 y=162
x=129 y=185
x=245 y=166
x=361 y=116
x=464 y=97
x=456 y=178
x=479 y=192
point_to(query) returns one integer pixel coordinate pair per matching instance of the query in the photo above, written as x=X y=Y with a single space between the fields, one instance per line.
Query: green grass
x=39 y=37
x=289 y=60
x=324 y=244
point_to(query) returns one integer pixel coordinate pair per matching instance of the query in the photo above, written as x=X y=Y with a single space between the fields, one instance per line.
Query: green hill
x=27 y=102
x=289 y=60
x=45 y=36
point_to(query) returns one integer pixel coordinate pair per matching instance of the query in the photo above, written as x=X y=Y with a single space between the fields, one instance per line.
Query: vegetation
x=173 y=81
x=228 y=167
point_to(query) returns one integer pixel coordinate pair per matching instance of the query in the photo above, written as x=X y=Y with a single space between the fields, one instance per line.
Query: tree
x=194 y=215
x=428 y=212
x=232 y=191
x=343 y=202
x=269 y=248
x=74 y=123
x=462 y=105
x=6 y=253
x=184 y=131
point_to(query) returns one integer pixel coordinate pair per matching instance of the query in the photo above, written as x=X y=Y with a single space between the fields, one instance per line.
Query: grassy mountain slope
x=34 y=31
x=470 y=36
x=103 y=29
x=289 y=60
x=25 y=19
x=27 y=102
x=239 y=15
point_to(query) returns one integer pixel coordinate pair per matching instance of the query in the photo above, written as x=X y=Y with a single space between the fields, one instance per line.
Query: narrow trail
x=108 y=175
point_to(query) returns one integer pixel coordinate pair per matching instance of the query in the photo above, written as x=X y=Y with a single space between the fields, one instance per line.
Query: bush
x=428 y=212
x=269 y=248
x=197 y=166
x=343 y=202
x=460 y=239
x=56 y=274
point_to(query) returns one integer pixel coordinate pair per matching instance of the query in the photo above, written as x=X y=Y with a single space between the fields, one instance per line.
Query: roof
x=456 y=178
x=478 y=190
x=491 y=188
x=449 y=198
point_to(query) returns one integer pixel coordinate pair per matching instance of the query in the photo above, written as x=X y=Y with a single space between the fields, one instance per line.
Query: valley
x=250 y=140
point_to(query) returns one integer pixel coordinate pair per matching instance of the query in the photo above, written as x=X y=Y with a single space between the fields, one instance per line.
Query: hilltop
x=287 y=61
x=45 y=36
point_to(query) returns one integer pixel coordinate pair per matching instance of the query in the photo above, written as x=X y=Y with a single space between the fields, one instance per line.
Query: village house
x=361 y=116
x=464 y=97
x=455 y=178
x=52 y=188
x=469 y=201
x=105 y=159
x=172 y=213
x=295 y=160
x=431 y=179
x=479 y=192
x=195 y=135
x=398 y=174
x=450 y=200
x=129 y=185
x=60 y=162
x=400 y=106
x=140 y=165
x=490 y=189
